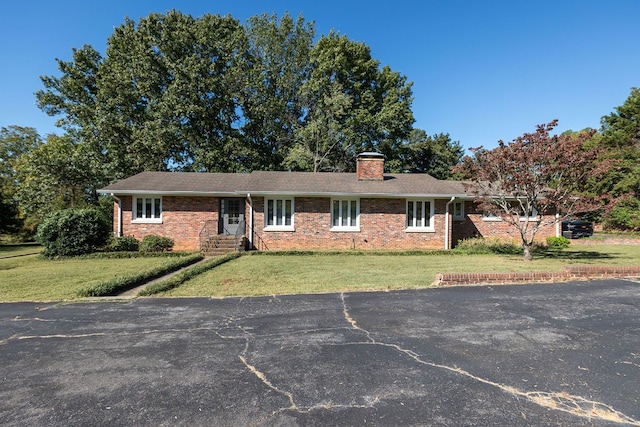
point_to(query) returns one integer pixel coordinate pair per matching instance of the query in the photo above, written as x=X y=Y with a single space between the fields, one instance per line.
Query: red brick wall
x=382 y=225
x=182 y=220
x=473 y=225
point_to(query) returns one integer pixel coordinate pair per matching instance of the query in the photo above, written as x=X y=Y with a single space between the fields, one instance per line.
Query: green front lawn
x=34 y=278
x=290 y=274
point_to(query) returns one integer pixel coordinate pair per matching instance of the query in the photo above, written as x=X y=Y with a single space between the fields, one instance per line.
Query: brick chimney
x=370 y=167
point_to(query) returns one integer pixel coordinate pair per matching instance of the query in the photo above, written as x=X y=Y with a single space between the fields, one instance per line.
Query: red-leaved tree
x=535 y=180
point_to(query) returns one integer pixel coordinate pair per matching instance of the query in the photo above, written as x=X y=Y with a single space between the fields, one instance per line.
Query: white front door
x=232 y=215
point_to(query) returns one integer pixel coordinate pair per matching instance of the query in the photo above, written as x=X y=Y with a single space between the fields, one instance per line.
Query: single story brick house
x=268 y=210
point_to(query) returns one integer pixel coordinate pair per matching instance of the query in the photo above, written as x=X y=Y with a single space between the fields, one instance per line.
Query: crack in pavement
x=17 y=337
x=230 y=329
x=560 y=401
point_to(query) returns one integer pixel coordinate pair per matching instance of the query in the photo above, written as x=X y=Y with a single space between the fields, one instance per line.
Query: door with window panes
x=232 y=211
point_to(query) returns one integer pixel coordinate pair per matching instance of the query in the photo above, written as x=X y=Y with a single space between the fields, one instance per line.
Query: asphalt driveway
x=562 y=354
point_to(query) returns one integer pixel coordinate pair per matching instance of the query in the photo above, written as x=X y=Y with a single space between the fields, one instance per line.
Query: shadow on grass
x=574 y=255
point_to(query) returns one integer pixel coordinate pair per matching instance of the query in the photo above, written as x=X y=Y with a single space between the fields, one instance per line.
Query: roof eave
x=171 y=193
x=370 y=195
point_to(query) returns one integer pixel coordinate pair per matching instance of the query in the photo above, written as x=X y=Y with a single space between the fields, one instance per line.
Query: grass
x=35 y=278
x=120 y=284
x=316 y=273
x=8 y=250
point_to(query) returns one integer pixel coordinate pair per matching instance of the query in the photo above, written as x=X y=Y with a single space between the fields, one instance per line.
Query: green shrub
x=155 y=243
x=72 y=232
x=129 y=255
x=558 y=243
x=494 y=245
x=125 y=244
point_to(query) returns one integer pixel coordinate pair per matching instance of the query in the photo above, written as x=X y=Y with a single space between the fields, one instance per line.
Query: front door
x=232 y=215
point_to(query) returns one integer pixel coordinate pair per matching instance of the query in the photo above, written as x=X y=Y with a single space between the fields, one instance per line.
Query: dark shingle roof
x=177 y=183
x=285 y=183
x=329 y=183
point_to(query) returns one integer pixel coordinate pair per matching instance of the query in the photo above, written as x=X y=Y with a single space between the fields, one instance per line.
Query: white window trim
x=134 y=208
x=420 y=229
x=346 y=227
x=487 y=217
x=535 y=217
x=283 y=227
x=461 y=215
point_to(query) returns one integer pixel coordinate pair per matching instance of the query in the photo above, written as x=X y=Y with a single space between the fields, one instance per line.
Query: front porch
x=216 y=240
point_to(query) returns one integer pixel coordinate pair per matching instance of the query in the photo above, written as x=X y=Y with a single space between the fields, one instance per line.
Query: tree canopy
x=621 y=141
x=178 y=93
x=174 y=92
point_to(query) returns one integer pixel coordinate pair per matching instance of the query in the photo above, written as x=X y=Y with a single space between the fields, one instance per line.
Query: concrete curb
x=578 y=272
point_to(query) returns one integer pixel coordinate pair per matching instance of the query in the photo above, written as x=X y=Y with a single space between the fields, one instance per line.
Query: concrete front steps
x=223 y=244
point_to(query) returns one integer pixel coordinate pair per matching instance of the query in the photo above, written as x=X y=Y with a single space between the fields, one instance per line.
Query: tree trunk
x=526 y=252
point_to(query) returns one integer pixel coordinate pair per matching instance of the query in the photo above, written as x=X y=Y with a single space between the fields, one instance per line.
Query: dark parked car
x=575 y=229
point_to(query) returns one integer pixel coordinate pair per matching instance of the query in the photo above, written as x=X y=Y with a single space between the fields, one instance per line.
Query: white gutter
x=447 y=244
x=119 y=228
x=250 y=220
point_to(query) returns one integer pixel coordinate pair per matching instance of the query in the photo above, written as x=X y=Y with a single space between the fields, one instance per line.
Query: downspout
x=119 y=226
x=446 y=225
x=250 y=220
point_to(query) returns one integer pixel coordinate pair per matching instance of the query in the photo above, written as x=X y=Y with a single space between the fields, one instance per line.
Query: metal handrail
x=262 y=246
x=209 y=228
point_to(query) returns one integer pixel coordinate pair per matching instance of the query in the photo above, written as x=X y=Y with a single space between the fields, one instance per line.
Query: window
x=513 y=206
x=420 y=215
x=533 y=214
x=345 y=214
x=147 y=209
x=458 y=210
x=491 y=216
x=279 y=214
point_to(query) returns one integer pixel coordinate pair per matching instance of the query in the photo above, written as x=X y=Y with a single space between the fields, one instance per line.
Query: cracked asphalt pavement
x=547 y=354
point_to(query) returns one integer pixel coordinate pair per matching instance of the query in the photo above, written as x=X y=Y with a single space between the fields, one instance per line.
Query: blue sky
x=482 y=70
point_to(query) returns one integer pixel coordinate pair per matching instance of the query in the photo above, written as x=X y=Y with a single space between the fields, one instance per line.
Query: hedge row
x=179 y=279
x=121 y=284
x=134 y=254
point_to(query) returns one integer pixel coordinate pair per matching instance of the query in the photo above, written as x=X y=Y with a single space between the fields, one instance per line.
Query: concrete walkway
x=132 y=293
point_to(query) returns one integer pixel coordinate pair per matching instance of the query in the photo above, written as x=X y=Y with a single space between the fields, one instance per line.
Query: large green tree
x=175 y=92
x=421 y=153
x=15 y=142
x=351 y=105
x=164 y=97
x=53 y=176
x=277 y=66
x=621 y=139
x=168 y=92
